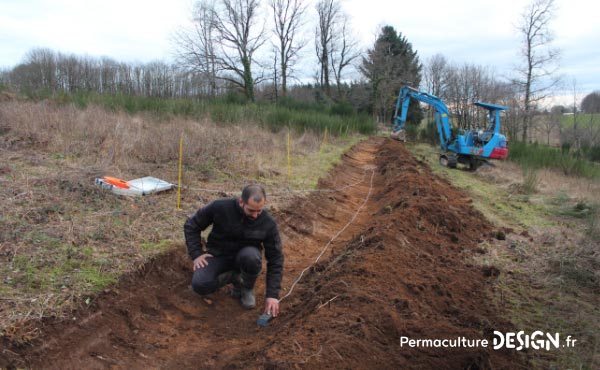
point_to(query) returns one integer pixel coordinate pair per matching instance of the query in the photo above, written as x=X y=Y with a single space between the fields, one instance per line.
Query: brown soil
x=402 y=268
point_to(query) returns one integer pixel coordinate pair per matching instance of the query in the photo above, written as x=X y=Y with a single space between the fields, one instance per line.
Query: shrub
x=429 y=134
x=540 y=156
x=338 y=119
x=343 y=108
x=593 y=153
x=530 y=180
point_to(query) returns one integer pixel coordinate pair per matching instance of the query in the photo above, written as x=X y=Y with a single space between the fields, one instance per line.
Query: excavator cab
x=491 y=136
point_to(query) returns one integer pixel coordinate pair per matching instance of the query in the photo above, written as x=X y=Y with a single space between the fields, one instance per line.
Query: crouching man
x=241 y=229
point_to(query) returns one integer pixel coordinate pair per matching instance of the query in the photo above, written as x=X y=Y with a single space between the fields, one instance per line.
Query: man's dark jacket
x=232 y=230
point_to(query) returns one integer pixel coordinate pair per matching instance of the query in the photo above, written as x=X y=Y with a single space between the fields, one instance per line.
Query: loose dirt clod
x=402 y=269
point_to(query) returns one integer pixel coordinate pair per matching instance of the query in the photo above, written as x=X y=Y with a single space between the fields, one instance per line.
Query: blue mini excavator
x=469 y=147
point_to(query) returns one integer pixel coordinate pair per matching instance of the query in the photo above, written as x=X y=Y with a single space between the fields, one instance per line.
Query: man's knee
x=202 y=285
x=250 y=260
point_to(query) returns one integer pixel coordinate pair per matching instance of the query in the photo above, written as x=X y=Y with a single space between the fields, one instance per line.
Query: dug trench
x=400 y=267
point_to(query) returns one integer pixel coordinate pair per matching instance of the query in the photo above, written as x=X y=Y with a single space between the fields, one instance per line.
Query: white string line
x=278 y=192
x=335 y=236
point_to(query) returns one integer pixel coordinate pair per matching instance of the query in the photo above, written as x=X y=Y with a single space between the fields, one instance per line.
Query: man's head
x=253 y=201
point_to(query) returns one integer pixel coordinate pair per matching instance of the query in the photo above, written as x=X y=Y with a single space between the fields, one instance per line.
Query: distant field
x=587 y=124
x=582 y=119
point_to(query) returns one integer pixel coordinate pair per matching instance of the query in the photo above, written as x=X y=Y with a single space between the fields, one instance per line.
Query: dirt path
x=400 y=269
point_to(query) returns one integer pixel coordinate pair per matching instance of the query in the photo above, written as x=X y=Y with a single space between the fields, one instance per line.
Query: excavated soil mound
x=400 y=269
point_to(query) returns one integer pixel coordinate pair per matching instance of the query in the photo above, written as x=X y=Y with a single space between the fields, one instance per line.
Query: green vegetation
x=304 y=167
x=338 y=119
x=69 y=268
x=584 y=120
x=587 y=131
x=161 y=246
x=537 y=156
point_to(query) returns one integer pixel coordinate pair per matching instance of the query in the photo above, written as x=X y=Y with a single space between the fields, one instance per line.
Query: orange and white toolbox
x=138 y=187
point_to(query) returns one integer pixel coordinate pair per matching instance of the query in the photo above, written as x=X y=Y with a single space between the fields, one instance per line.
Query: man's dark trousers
x=247 y=261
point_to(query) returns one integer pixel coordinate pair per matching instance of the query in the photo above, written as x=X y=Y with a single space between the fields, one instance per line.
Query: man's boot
x=236 y=281
x=225 y=278
x=247 y=290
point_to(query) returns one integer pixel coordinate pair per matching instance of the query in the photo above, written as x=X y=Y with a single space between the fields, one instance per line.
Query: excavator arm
x=441 y=113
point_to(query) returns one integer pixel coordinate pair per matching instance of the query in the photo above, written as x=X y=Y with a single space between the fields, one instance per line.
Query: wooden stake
x=289 y=158
x=179 y=180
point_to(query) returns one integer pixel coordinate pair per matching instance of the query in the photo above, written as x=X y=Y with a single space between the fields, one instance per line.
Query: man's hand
x=272 y=306
x=201 y=261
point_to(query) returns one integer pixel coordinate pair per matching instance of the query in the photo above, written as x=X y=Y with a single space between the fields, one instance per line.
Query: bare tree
x=45 y=71
x=344 y=50
x=4 y=78
x=435 y=74
x=575 y=123
x=466 y=84
x=508 y=94
x=328 y=11
x=288 y=17
x=222 y=43
x=536 y=75
x=275 y=77
x=195 y=47
x=549 y=123
x=235 y=23
x=38 y=71
x=336 y=48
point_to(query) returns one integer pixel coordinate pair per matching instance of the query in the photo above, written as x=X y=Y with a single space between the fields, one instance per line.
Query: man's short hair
x=254 y=191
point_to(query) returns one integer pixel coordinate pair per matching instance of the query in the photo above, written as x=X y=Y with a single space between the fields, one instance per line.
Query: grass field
x=583 y=119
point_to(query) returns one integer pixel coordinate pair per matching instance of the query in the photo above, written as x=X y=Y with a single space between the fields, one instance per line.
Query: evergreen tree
x=389 y=65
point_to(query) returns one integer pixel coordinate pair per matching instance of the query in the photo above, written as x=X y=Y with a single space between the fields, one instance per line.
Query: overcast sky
x=464 y=31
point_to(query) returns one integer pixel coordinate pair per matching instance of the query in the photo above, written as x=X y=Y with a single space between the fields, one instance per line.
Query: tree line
x=45 y=70
x=254 y=48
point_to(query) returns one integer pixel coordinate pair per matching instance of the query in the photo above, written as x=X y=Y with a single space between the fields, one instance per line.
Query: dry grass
x=551 y=273
x=549 y=183
x=118 y=142
x=62 y=238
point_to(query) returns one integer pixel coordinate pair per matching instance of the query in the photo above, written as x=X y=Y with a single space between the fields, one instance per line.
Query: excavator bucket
x=399 y=135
